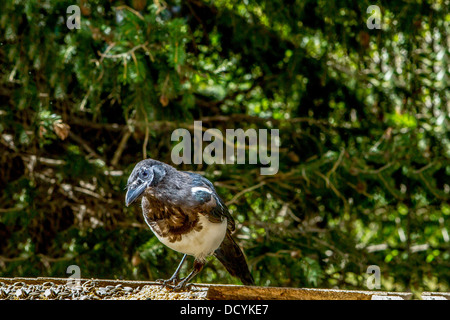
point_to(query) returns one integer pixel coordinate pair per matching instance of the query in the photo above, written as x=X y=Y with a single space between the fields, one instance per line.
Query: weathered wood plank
x=232 y=292
x=436 y=295
x=237 y=292
x=100 y=282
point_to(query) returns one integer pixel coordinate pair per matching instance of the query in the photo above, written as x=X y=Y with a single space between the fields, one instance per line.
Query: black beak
x=133 y=192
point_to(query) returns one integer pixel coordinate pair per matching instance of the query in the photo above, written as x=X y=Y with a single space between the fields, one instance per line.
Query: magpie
x=187 y=215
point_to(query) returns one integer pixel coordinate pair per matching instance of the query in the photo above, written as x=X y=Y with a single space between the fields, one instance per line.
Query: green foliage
x=362 y=114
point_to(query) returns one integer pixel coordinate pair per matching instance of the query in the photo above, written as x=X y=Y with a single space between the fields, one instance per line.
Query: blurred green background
x=362 y=113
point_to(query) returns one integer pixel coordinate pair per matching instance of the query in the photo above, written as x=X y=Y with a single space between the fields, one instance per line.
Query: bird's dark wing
x=212 y=205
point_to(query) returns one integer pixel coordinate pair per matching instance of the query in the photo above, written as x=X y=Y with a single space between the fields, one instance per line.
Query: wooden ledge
x=237 y=292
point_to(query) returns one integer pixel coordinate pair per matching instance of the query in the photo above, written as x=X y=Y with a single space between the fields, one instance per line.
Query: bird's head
x=146 y=174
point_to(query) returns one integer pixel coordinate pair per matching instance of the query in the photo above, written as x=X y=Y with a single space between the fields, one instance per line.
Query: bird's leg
x=198 y=266
x=174 y=279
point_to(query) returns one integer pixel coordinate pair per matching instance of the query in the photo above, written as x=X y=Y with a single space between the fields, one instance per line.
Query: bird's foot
x=171 y=282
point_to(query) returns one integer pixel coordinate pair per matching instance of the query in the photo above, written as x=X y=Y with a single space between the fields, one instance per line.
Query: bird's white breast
x=202 y=243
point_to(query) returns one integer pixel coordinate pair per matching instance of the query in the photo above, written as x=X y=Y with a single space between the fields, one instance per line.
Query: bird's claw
x=167 y=283
x=171 y=282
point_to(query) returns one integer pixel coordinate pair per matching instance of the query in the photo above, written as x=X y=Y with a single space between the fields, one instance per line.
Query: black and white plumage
x=185 y=212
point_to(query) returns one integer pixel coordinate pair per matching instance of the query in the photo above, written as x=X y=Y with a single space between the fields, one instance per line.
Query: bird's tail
x=232 y=258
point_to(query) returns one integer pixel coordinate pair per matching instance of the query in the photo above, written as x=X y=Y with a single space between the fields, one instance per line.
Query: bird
x=186 y=214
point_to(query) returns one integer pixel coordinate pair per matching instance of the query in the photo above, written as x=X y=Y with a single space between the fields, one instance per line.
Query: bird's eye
x=145 y=173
